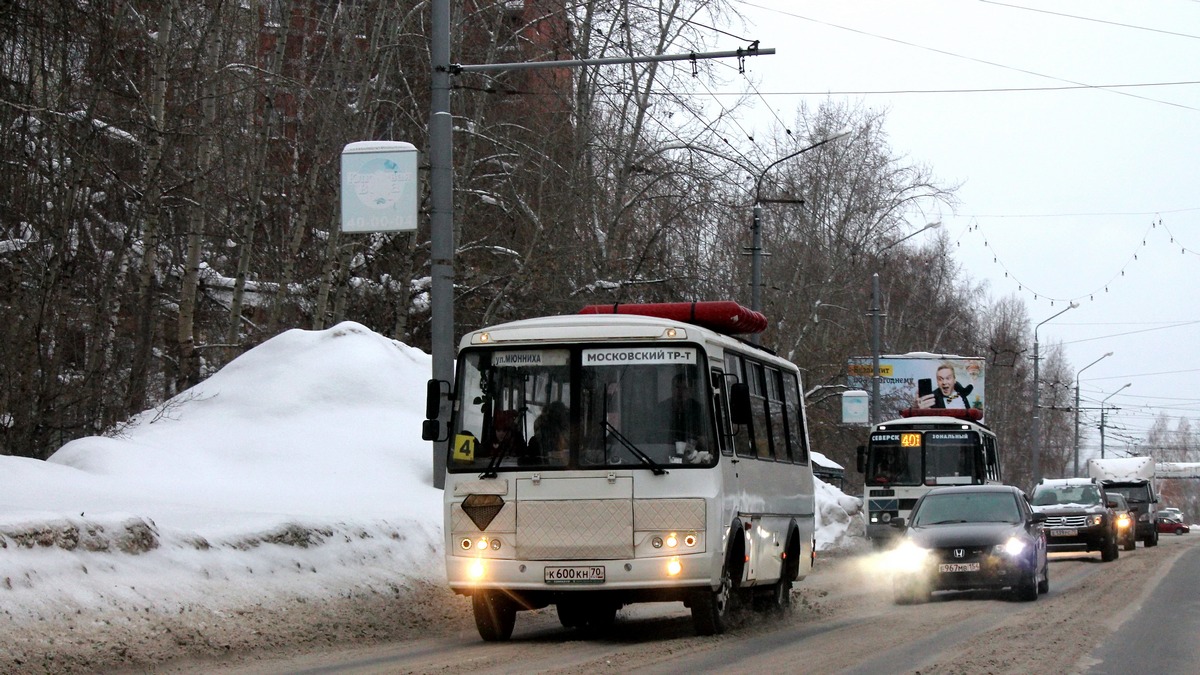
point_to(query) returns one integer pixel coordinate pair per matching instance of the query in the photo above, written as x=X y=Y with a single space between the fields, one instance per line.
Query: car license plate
x=1064 y=532
x=586 y=574
x=958 y=567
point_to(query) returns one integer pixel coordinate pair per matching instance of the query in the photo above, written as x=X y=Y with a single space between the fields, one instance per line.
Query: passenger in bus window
x=549 y=443
x=685 y=410
x=892 y=467
x=506 y=440
x=883 y=472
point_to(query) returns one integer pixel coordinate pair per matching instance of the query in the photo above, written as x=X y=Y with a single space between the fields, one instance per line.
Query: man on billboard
x=949 y=393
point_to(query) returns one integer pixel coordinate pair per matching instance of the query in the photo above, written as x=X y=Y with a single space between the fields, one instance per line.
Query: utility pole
x=756 y=253
x=441 y=187
x=875 y=314
x=1037 y=401
x=1077 y=374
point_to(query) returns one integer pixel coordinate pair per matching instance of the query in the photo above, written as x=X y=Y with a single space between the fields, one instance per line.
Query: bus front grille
x=575 y=529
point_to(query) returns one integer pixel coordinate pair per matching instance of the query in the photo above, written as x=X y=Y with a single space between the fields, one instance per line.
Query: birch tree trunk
x=151 y=209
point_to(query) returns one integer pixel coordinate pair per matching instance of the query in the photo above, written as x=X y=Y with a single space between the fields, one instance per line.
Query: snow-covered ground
x=296 y=473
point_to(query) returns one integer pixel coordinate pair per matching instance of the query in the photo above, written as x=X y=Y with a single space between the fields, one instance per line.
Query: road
x=1097 y=618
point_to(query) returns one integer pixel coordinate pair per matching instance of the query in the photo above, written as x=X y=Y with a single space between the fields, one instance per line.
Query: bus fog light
x=674 y=567
x=476 y=569
x=656 y=542
x=495 y=544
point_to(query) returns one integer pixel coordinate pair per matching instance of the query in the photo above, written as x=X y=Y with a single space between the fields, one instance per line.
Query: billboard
x=921 y=380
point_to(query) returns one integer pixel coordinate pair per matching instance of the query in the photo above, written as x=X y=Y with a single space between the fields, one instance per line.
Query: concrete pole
x=1075 y=472
x=1077 y=375
x=1037 y=415
x=875 y=403
x=1037 y=400
x=441 y=218
x=1101 y=432
x=756 y=266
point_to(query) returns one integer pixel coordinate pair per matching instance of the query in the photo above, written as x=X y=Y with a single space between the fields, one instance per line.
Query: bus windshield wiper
x=501 y=453
x=634 y=450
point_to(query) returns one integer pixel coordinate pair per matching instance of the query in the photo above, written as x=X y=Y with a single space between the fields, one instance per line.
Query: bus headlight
x=672 y=540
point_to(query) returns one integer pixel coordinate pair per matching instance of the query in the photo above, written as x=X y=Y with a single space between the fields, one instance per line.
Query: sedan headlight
x=908 y=557
x=1013 y=547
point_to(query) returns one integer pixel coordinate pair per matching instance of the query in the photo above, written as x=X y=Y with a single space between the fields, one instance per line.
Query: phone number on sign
x=575 y=575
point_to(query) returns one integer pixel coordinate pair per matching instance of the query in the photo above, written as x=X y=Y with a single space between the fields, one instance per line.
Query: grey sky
x=1072 y=189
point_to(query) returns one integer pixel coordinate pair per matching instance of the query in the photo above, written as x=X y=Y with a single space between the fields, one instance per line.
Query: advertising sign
x=922 y=380
x=379 y=187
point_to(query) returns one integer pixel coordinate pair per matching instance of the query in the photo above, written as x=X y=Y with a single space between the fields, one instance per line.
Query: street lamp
x=1102 y=416
x=756 y=226
x=1077 y=374
x=931 y=226
x=1037 y=415
x=875 y=312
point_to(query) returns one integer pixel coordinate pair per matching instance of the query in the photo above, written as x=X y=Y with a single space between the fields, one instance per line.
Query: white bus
x=597 y=461
x=905 y=458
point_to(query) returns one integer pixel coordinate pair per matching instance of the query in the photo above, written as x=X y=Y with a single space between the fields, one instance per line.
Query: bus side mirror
x=739 y=403
x=431 y=431
x=435 y=390
x=433 y=397
x=862 y=459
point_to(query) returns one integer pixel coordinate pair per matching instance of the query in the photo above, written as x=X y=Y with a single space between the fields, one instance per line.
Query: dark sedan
x=971 y=537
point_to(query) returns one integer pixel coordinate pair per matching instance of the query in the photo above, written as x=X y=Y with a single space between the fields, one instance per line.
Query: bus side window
x=760 y=428
x=779 y=440
x=724 y=430
x=736 y=366
x=797 y=439
x=990 y=456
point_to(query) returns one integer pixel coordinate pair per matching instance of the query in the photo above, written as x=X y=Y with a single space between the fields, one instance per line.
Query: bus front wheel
x=495 y=615
x=712 y=609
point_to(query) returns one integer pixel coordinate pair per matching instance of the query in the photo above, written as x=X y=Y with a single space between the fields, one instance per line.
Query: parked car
x=1077 y=516
x=970 y=537
x=1171 y=510
x=1168 y=524
x=1126 y=530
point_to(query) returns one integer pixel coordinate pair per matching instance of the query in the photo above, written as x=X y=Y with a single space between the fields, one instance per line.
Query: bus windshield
x=952 y=457
x=582 y=407
x=895 y=459
x=924 y=457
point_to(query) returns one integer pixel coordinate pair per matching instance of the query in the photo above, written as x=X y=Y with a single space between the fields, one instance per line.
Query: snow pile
x=297 y=471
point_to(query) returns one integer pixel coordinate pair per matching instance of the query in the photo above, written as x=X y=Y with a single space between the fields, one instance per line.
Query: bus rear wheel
x=775 y=598
x=495 y=615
